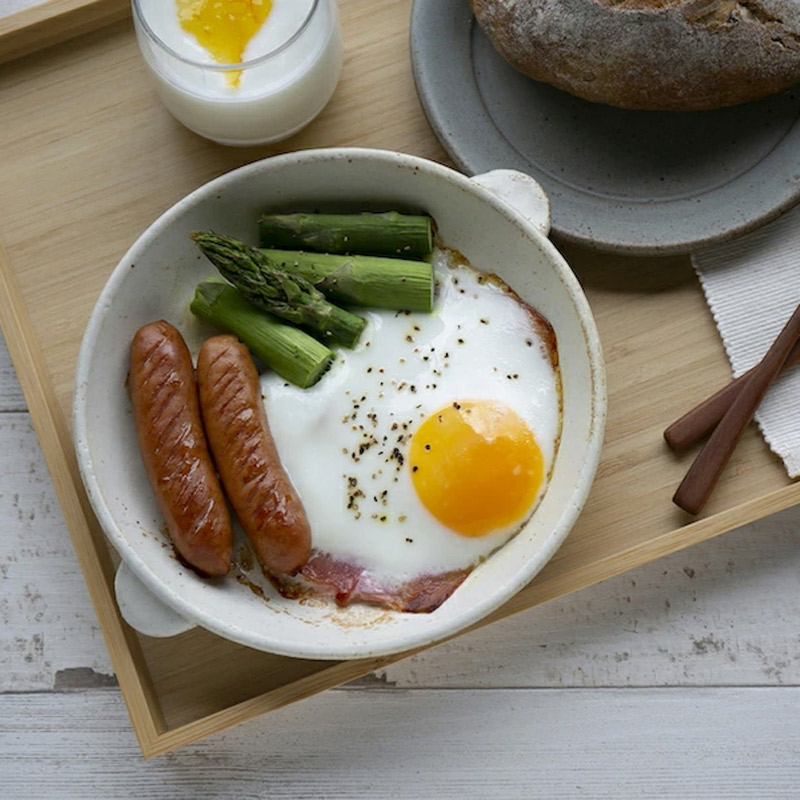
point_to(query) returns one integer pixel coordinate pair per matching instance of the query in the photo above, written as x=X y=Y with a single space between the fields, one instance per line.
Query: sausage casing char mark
x=169 y=427
x=257 y=486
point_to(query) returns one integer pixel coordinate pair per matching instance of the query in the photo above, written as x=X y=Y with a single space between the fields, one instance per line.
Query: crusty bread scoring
x=650 y=54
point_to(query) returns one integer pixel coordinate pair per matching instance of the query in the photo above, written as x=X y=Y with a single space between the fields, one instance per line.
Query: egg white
x=344 y=442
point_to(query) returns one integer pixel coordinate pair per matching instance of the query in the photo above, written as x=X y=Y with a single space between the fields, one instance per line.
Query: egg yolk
x=476 y=466
x=224 y=27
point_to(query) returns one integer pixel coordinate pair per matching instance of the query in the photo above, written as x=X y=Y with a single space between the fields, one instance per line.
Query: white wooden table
x=678 y=680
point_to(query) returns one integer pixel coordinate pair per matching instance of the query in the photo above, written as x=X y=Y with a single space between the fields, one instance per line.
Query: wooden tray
x=90 y=158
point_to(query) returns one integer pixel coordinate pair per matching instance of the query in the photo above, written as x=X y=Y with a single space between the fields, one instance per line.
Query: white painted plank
x=11 y=398
x=48 y=623
x=651 y=743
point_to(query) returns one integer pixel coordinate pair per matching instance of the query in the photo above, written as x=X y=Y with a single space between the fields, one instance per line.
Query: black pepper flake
x=414 y=468
x=529 y=343
x=383 y=518
x=461 y=341
x=425 y=358
x=427 y=447
x=484 y=321
x=410 y=541
x=417 y=328
x=409 y=338
x=457 y=406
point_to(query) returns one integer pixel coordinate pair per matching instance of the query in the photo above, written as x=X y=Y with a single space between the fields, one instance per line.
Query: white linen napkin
x=752 y=286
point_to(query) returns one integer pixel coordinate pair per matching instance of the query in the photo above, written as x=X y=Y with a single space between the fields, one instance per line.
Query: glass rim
x=139 y=16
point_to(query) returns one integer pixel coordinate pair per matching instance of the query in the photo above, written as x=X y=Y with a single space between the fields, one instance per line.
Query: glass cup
x=264 y=98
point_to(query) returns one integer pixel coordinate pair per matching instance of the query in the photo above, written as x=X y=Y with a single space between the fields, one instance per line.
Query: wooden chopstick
x=704 y=473
x=700 y=420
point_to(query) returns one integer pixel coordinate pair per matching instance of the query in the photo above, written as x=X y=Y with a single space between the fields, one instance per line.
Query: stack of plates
x=641 y=182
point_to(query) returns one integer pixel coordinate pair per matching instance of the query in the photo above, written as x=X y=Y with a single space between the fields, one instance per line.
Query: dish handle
x=142 y=610
x=521 y=192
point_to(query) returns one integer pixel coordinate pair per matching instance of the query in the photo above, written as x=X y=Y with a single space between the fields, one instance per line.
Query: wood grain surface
x=90 y=159
x=33 y=27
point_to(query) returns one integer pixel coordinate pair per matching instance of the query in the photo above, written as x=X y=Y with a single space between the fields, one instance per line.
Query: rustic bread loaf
x=650 y=54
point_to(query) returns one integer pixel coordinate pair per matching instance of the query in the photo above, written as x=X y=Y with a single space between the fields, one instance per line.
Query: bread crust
x=650 y=54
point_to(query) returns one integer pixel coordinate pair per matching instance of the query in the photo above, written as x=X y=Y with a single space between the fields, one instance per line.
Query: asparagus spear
x=387 y=234
x=290 y=297
x=293 y=354
x=362 y=280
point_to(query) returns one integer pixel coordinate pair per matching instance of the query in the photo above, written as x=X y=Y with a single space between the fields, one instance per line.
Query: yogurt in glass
x=288 y=70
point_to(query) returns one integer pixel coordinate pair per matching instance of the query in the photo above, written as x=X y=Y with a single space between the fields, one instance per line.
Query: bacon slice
x=348 y=583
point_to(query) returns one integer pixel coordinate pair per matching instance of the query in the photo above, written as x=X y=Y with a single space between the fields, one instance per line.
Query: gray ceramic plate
x=628 y=181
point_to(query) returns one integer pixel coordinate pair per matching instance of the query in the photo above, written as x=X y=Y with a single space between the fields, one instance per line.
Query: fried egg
x=429 y=445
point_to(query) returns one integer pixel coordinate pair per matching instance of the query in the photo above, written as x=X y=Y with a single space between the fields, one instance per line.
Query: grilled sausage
x=174 y=450
x=256 y=484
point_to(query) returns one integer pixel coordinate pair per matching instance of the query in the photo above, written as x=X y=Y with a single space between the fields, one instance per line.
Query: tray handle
x=142 y=610
x=521 y=192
